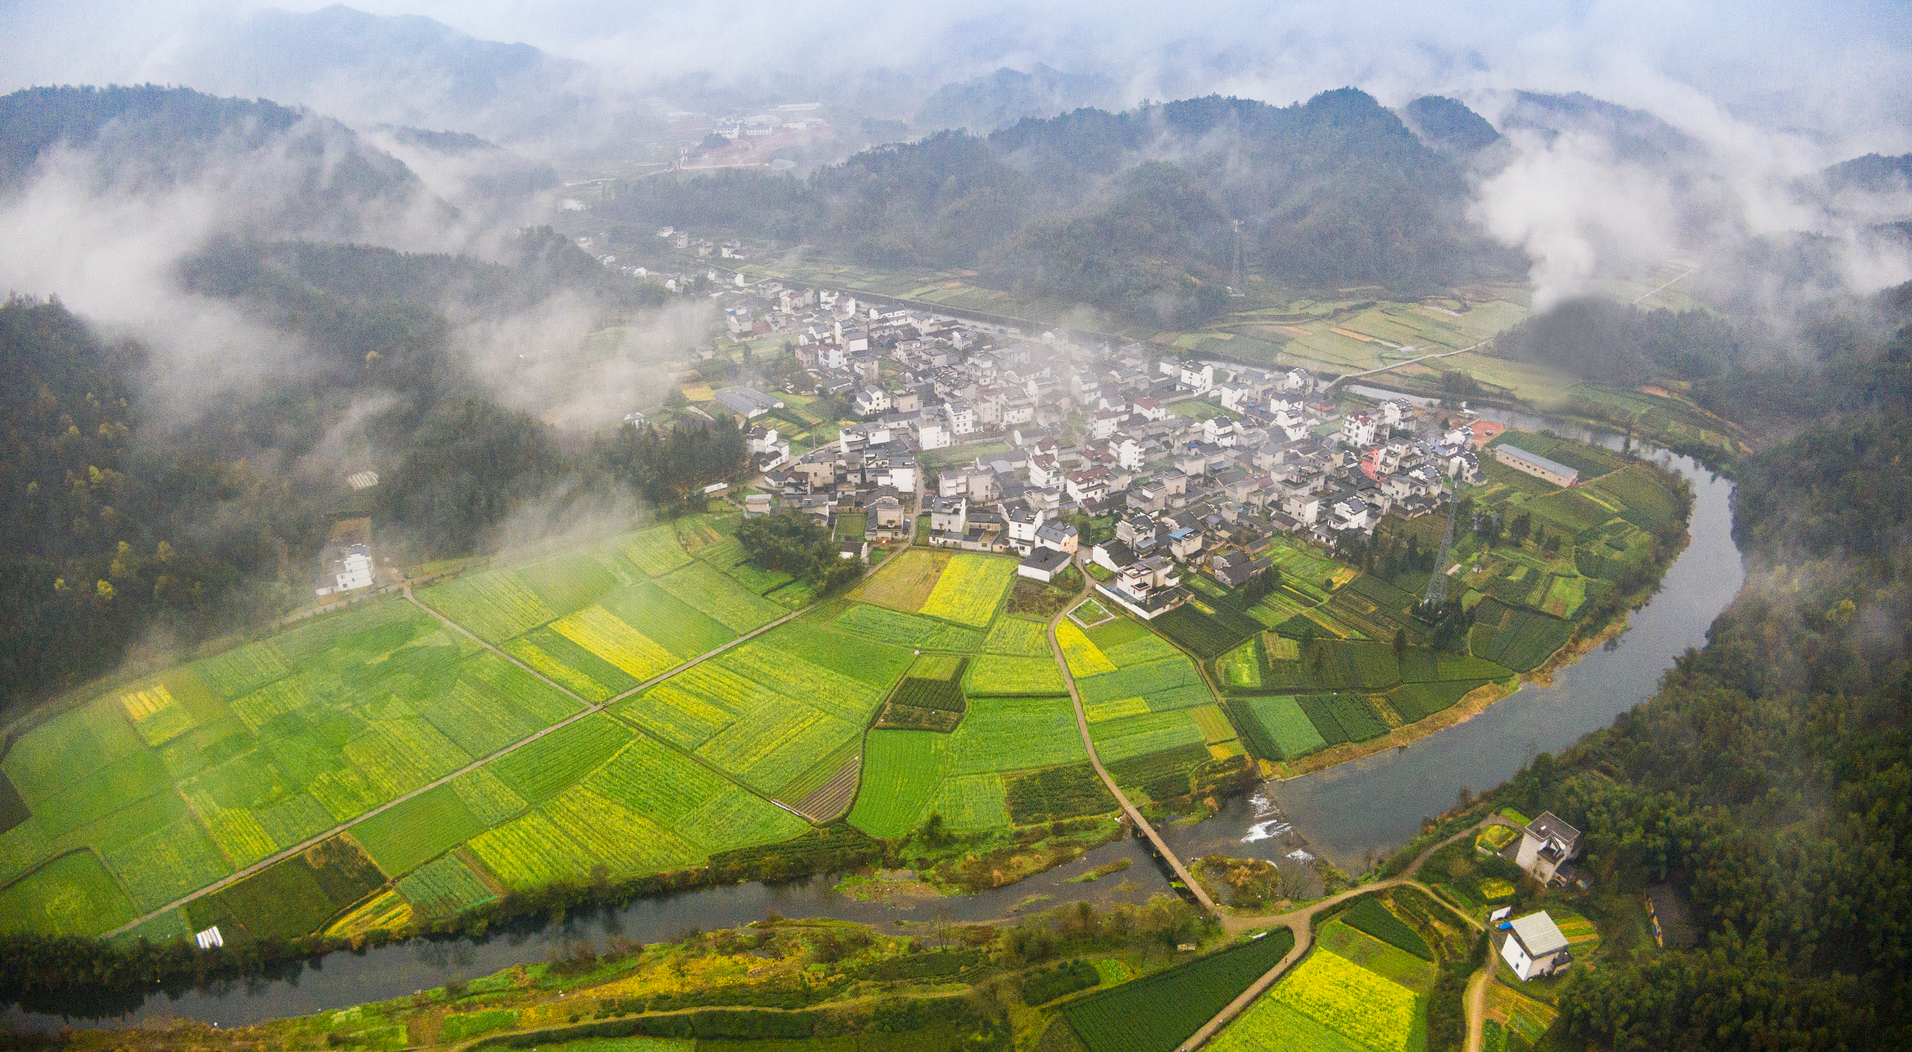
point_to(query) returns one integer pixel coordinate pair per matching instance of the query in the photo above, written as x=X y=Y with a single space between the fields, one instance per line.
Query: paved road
x=589 y=709
x=1088 y=744
x=1301 y=922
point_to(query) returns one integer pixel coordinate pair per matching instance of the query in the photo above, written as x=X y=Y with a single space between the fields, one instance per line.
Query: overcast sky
x=1840 y=69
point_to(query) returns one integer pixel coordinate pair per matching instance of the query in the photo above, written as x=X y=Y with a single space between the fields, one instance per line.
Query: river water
x=1375 y=804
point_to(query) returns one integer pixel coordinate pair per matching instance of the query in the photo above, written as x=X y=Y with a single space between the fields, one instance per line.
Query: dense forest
x=1598 y=339
x=1132 y=211
x=1769 y=779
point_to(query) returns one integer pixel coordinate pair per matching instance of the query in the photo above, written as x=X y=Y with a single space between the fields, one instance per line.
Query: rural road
x=1397 y=365
x=588 y=710
x=1082 y=725
x=1301 y=922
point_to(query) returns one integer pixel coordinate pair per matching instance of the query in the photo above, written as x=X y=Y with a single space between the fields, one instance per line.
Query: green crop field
x=445 y=887
x=998 y=675
x=1132 y=736
x=1015 y=734
x=1169 y=679
x=901 y=771
x=1327 y=1002
x=72 y=895
x=1342 y=717
x=677 y=625
x=1018 y=637
x=408 y=835
x=1369 y=916
x=720 y=598
x=1207 y=628
x=655 y=551
x=1158 y=1013
x=1389 y=962
x=970 y=589
x=970 y=803
x=890 y=626
x=494 y=605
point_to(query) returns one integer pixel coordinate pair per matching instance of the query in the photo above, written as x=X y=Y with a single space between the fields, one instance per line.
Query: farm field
x=1324 y=641
x=1157 y=1013
x=150 y=790
x=1327 y=1002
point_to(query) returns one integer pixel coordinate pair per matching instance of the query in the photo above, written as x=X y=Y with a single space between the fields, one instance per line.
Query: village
x=1171 y=464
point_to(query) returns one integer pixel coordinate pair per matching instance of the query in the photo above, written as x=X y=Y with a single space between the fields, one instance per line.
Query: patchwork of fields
x=149 y=791
x=1014 y=727
x=1316 y=663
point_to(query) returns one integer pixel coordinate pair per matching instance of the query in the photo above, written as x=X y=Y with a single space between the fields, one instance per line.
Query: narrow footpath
x=1301 y=922
x=1088 y=744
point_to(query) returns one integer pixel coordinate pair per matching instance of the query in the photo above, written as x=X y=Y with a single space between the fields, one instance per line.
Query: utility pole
x=1236 y=283
x=1436 y=595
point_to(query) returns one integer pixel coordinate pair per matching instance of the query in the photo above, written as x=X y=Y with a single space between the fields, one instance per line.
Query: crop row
x=999 y=675
x=1276 y=726
x=1138 y=735
x=890 y=626
x=721 y=598
x=1014 y=734
x=494 y=605
x=444 y=887
x=1018 y=637
x=1158 y=1013
x=901 y=770
x=1353 y=1002
x=1342 y=717
x=656 y=550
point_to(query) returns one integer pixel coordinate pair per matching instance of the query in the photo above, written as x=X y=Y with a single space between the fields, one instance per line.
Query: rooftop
x=1538 y=934
x=1539 y=461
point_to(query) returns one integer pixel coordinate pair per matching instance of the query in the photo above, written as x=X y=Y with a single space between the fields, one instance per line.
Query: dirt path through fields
x=588 y=710
x=1301 y=922
x=1088 y=744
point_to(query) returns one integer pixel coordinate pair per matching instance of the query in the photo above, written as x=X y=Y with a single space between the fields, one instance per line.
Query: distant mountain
x=377 y=69
x=1872 y=174
x=1335 y=191
x=1632 y=134
x=272 y=167
x=1006 y=96
x=1448 y=126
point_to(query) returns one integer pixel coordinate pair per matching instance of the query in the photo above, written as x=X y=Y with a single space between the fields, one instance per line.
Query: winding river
x=1374 y=804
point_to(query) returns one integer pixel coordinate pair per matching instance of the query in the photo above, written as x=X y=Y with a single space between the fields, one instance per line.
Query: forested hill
x=1768 y=781
x=116 y=528
x=291 y=169
x=1130 y=211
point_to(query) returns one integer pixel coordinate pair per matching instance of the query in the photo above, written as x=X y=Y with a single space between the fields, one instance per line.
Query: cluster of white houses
x=1064 y=427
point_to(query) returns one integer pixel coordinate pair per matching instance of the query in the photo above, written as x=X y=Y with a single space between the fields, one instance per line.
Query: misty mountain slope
x=983 y=104
x=404 y=69
x=1872 y=173
x=266 y=164
x=1449 y=126
x=1336 y=190
x=1631 y=134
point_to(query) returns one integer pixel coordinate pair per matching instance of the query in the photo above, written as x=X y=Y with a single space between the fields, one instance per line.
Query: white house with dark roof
x=1545 y=845
x=1534 y=947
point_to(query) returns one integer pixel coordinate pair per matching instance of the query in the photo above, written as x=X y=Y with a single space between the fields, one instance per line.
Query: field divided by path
x=209 y=780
